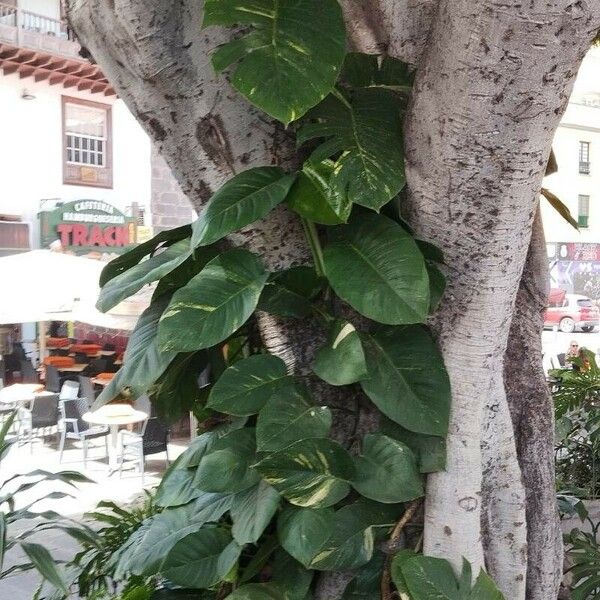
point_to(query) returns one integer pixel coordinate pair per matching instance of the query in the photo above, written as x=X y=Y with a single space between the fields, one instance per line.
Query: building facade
x=575 y=255
x=66 y=138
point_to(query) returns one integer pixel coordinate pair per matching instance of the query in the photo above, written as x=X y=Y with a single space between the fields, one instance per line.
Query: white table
x=20 y=393
x=114 y=415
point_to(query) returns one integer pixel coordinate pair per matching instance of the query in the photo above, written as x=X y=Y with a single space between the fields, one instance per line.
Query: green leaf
x=408 y=381
x=259 y=560
x=177 y=485
x=366 y=584
x=370 y=70
x=429 y=450
x=136 y=277
x=313 y=198
x=375 y=266
x=291 y=575
x=2 y=538
x=560 y=207
x=291 y=60
x=290 y=415
x=485 y=588
x=214 y=304
x=129 y=259
x=386 y=471
x=201 y=559
x=430 y=252
x=44 y=563
x=334 y=541
x=396 y=570
x=365 y=128
x=244 y=388
x=147 y=548
x=258 y=591
x=313 y=472
x=342 y=360
x=245 y=198
x=144 y=362
x=176 y=390
x=429 y=578
x=288 y=293
x=226 y=466
x=251 y=512
x=437 y=286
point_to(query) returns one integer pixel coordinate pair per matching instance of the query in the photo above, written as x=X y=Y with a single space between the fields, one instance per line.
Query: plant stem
x=312 y=237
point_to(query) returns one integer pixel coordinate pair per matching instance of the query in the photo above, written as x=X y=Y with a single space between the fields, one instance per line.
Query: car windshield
x=587 y=302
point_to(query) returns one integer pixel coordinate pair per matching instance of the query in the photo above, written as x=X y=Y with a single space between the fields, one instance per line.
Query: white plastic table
x=114 y=415
x=20 y=393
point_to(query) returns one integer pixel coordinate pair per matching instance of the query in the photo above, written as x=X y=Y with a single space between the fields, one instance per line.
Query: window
x=584 y=158
x=583 y=210
x=87 y=143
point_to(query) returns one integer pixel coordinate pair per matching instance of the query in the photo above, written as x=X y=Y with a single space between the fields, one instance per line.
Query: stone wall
x=168 y=204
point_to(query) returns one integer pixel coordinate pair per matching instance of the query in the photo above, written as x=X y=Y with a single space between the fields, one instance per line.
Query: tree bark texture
x=532 y=414
x=490 y=90
x=493 y=80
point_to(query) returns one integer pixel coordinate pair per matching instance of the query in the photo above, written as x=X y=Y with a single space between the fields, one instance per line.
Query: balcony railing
x=32 y=30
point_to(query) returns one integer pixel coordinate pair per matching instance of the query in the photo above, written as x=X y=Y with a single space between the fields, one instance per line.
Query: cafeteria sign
x=87 y=226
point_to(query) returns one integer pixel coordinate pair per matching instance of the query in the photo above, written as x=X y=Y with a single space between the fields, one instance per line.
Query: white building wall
x=31 y=165
x=581 y=122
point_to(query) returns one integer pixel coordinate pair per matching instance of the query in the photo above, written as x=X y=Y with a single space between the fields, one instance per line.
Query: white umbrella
x=43 y=285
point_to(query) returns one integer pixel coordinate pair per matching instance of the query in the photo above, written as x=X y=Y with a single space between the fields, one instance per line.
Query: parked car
x=571 y=312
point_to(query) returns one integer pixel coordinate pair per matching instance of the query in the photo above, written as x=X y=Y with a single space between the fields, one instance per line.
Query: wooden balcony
x=30 y=30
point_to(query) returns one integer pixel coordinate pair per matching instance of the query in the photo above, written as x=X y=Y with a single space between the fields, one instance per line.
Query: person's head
x=573 y=347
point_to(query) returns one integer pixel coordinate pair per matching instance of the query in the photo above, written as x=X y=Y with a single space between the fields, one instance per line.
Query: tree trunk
x=490 y=91
x=532 y=414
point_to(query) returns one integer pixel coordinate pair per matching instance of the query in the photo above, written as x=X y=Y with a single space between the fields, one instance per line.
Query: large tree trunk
x=490 y=91
x=494 y=78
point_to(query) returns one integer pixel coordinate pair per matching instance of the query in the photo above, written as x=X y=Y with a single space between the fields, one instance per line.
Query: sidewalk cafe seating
x=73 y=427
x=42 y=414
x=28 y=373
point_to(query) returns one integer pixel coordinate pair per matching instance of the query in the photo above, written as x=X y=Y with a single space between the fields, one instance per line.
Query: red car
x=570 y=312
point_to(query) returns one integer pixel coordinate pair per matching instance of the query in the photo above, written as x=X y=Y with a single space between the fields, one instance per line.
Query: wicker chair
x=153 y=439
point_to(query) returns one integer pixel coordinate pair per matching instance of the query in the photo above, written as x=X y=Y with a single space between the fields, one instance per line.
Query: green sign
x=86 y=226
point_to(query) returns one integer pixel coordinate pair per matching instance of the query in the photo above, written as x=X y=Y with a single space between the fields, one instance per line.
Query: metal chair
x=86 y=389
x=28 y=373
x=153 y=439
x=73 y=427
x=69 y=390
x=97 y=365
x=42 y=414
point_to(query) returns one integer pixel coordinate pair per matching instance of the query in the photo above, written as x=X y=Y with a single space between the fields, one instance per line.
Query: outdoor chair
x=81 y=358
x=73 y=427
x=109 y=347
x=53 y=379
x=69 y=390
x=97 y=365
x=42 y=414
x=28 y=373
x=153 y=439
x=86 y=389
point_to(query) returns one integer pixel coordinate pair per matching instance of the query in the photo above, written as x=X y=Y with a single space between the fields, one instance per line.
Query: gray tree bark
x=491 y=88
x=493 y=81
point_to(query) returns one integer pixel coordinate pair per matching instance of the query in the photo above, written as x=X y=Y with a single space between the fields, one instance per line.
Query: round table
x=114 y=415
x=20 y=393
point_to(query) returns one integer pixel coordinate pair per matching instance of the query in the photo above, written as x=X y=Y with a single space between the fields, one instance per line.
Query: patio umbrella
x=43 y=285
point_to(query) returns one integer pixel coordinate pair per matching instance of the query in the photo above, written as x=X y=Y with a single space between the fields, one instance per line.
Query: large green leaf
x=244 y=388
x=177 y=484
x=291 y=575
x=144 y=362
x=247 y=197
x=125 y=261
x=386 y=471
x=259 y=591
x=2 y=538
x=429 y=450
x=290 y=61
x=214 y=304
x=176 y=391
x=313 y=472
x=366 y=129
x=135 y=278
x=288 y=293
x=290 y=415
x=330 y=541
x=251 y=512
x=407 y=378
x=147 y=548
x=226 y=466
x=342 y=360
x=366 y=584
x=313 y=198
x=42 y=560
x=375 y=266
x=201 y=559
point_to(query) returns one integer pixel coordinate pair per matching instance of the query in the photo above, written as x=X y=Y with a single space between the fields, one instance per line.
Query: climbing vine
x=265 y=498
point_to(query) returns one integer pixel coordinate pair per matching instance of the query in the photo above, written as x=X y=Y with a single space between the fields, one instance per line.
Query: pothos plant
x=265 y=499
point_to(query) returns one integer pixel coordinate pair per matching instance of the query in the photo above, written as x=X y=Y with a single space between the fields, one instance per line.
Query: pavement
x=84 y=498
